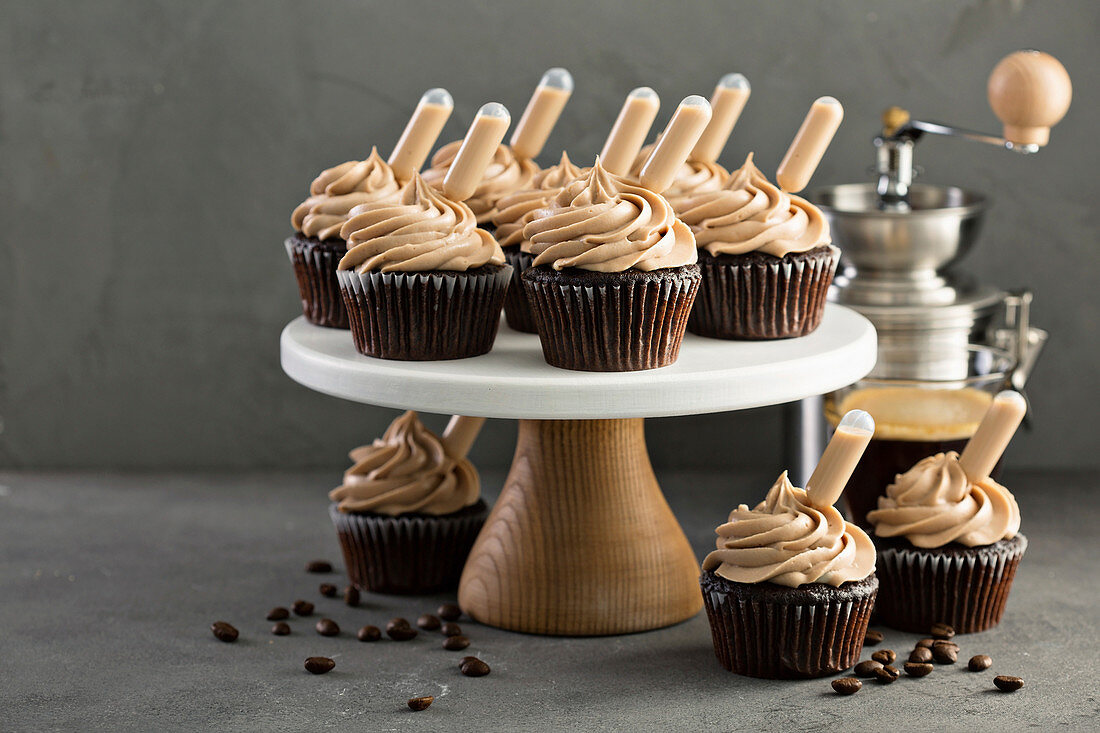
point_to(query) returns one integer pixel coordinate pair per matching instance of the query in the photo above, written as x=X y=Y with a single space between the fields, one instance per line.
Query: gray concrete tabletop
x=109 y=584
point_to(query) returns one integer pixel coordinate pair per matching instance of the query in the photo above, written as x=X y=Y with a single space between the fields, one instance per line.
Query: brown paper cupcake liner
x=410 y=553
x=422 y=316
x=611 y=322
x=757 y=296
x=966 y=587
x=768 y=630
x=517 y=309
x=314 y=264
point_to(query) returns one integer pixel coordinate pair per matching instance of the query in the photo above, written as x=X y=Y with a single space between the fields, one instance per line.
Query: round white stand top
x=513 y=380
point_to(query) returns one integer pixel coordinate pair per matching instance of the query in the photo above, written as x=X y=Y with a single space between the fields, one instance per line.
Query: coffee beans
x=428 y=622
x=328 y=590
x=327 y=627
x=224 y=631
x=921 y=655
x=847 y=686
x=871 y=638
x=979 y=663
x=278 y=614
x=867 y=668
x=887 y=674
x=281 y=629
x=369 y=633
x=449 y=612
x=302 y=608
x=1008 y=683
x=456 y=643
x=319 y=566
x=918 y=669
x=450 y=629
x=945 y=652
x=398 y=629
x=926 y=643
x=473 y=667
x=319 y=665
x=351 y=596
x=420 y=703
x=884 y=656
x=942 y=631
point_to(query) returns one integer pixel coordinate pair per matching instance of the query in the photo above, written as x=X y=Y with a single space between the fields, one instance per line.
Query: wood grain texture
x=1030 y=92
x=581 y=541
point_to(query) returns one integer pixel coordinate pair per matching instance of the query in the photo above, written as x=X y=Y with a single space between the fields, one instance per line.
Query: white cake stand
x=581 y=540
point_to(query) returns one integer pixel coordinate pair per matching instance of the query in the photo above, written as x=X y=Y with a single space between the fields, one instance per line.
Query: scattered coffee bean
x=942 y=631
x=328 y=590
x=302 y=608
x=369 y=633
x=449 y=612
x=455 y=643
x=327 y=627
x=351 y=595
x=473 y=667
x=871 y=638
x=319 y=566
x=398 y=629
x=867 y=668
x=887 y=674
x=1008 y=683
x=921 y=655
x=281 y=629
x=278 y=614
x=926 y=643
x=450 y=629
x=319 y=665
x=428 y=622
x=847 y=685
x=944 y=654
x=918 y=669
x=945 y=643
x=420 y=703
x=885 y=656
x=979 y=663
x=224 y=632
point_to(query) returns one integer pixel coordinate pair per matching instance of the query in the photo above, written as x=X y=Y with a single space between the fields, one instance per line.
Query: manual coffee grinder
x=901 y=241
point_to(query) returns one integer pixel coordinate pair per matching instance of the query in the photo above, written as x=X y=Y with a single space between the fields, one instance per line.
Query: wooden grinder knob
x=1030 y=92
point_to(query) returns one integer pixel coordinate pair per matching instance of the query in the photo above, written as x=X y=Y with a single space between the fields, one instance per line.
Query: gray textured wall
x=151 y=153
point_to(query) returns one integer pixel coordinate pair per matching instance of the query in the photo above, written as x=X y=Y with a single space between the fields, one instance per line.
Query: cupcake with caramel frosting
x=949 y=547
x=407 y=512
x=789 y=588
x=420 y=280
x=505 y=174
x=766 y=258
x=694 y=177
x=316 y=245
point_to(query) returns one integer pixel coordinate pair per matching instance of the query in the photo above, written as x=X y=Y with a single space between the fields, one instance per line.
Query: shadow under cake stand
x=581 y=540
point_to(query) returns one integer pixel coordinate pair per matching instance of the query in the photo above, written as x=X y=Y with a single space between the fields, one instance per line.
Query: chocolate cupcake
x=765 y=256
x=316 y=246
x=506 y=173
x=408 y=512
x=513 y=211
x=948 y=548
x=789 y=589
x=614 y=276
x=420 y=281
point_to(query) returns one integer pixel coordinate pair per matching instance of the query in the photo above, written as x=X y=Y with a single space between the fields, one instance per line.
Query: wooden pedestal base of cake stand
x=581 y=540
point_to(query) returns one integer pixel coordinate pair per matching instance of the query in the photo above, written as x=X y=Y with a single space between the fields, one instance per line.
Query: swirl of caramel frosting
x=421 y=231
x=337 y=191
x=752 y=215
x=407 y=470
x=693 y=177
x=605 y=223
x=514 y=210
x=787 y=541
x=934 y=503
x=506 y=173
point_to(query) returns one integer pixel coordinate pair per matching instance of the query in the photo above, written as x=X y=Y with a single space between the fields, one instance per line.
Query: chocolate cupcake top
x=506 y=173
x=787 y=541
x=605 y=223
x=407 y=470
x=421 y=231
x=335 y=192
x=750 y=214
x=514 y=210
x=934 y=503
x=692 y=178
